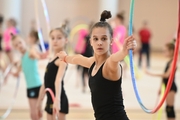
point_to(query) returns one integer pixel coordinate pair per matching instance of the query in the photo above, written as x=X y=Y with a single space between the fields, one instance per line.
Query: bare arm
x=163 y=75
x=59 y=77
x=39 y=101
x=34 y=54
x=41 y=95
x=61 y=70
x=18 y=70
x=76 y=59
x=112 y=68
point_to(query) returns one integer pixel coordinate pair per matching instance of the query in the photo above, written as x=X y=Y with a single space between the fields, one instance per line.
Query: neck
x=23 y=51
x=57 y=51
x=99 y=59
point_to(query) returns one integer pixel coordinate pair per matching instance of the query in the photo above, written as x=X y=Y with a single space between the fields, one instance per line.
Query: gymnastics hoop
x=7 y=70
x=72 y=34
x=79 y=20
x=8 y=111
x=46 y=14
x=159 y=113
x=52 y=97
x=132 y=65
x=76 y=29
x=127 y=61
x=38 y=27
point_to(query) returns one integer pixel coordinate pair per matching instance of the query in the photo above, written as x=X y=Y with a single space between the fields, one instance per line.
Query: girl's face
x=19 y=44
x=168 y=53
x=58 y=40
x=31 y=39
x=100 y=40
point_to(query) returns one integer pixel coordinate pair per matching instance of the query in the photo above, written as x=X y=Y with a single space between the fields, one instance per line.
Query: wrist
x=57 y=99
x=65 y=58
x=124 y=53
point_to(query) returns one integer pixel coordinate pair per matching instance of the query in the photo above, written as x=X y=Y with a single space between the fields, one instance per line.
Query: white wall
x=161 y=14
x=11 y=9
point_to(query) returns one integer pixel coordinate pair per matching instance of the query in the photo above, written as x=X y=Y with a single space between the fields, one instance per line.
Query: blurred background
x=161 y=17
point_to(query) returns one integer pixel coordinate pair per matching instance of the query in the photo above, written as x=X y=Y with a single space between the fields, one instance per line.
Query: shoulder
x=91 y=61
x=112 y=71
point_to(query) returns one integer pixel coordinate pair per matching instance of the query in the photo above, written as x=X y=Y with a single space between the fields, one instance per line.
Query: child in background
x=29 y=66
x=53 y=78
x=11 y=29
x=169 y=52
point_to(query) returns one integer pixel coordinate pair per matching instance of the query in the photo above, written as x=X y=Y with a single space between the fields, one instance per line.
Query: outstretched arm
x=34 y=54
x=112 y=65
x=76 y=59
x=163 y=75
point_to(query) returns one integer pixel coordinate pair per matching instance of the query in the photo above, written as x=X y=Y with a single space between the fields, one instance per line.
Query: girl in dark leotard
x=105 y=71
x=169 y=52
x=53 y=78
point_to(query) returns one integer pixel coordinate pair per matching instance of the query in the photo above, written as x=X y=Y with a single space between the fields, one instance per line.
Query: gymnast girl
x=169 y=52
x=105 y=71
x=119 y=32
x=53 y=78
x=11 y=29
x=29 y=66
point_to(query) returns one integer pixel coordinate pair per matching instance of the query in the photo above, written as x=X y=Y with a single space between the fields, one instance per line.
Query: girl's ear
x=90 y=41
x=112 y=39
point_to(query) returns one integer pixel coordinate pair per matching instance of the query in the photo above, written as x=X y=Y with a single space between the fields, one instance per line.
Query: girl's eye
x=104 y=39
x=59 y=38
x=52 y=38
x=95 y=39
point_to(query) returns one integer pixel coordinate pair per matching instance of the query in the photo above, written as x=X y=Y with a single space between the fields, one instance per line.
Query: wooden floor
x=87 y=114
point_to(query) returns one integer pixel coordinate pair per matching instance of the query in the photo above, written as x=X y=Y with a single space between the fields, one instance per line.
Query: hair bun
x=105 y=15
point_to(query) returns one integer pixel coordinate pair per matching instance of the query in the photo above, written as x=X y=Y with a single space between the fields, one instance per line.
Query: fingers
x=131 y=43
x=55 y=113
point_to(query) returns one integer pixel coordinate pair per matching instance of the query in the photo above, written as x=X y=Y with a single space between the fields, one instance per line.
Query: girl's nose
x=99 y=42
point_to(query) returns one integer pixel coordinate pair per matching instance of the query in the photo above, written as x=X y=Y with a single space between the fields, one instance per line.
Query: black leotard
x=49 y=82
x=106 y=97
x=165 y=80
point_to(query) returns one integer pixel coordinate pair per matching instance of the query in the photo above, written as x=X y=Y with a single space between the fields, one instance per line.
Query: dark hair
x=120 y=16
x=170 y=46
x=1 y=19
x=62 y=29
x=34 y=34
x=104 y=15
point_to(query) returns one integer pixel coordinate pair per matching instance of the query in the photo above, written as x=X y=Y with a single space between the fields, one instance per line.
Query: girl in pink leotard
x=80 y=45
x=119 y=33
x=11 y=29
